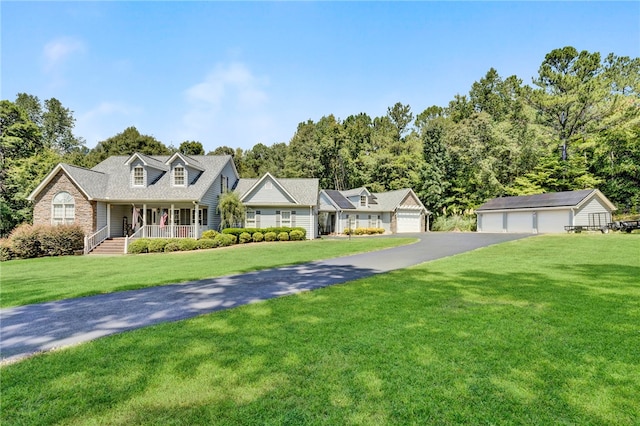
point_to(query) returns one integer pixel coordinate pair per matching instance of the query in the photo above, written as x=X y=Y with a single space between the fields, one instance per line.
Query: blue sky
x=241 y=73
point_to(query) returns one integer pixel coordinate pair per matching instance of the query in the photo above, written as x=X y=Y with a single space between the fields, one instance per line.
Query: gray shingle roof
x=305 y=191
x=118 y=185
x=552 y=199
x=94 y=183
x=390 y=200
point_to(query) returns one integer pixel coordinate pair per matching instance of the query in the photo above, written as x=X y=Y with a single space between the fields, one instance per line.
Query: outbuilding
x=545 y=213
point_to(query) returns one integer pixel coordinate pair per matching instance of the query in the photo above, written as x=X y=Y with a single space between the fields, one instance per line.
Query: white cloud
x=57 y=51
x=229 y=107
x=105 y=120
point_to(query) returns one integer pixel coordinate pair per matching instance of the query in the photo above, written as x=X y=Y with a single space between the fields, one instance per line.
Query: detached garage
x=545 y=213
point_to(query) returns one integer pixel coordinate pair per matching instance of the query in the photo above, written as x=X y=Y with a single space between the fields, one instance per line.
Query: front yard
x=544 y=330
x=39 y=280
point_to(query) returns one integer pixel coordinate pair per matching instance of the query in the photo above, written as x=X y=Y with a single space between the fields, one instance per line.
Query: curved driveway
x=25 y=330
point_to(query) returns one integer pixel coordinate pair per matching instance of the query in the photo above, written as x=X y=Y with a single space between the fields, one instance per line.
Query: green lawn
x=39 y=280
x=544 y=330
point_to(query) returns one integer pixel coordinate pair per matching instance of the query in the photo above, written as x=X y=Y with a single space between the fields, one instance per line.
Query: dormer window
x=178 y=176
x=138 y=176
x=363 y=201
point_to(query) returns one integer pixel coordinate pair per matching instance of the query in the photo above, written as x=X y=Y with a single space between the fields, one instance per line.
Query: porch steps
x=110 y=246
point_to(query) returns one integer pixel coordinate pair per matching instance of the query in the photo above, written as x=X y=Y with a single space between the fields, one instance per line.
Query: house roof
x=339 y=199
x=110 y=179
x=378 y=201
x=303 y=191
x=548 y=200
x=391 y=200
x=355 y=191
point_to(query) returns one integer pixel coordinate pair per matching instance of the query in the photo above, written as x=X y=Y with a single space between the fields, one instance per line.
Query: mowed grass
x=544 y=330
x=30 y=281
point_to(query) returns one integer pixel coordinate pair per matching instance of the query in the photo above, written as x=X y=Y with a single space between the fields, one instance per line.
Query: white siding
x=117 y=213
x=101 y=215
x=520 y=222
x=553 y=221
x=491 y=222
x=304 y=218
x=325 y=204
x=210 y=198
x=267 y=192
x=593 y=206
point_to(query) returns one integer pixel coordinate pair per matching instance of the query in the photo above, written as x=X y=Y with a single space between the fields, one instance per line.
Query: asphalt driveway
x=25 y=330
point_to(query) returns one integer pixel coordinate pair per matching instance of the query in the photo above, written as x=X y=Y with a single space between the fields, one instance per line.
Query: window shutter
x=277 y=218
x=293 y=219
x=257 y=218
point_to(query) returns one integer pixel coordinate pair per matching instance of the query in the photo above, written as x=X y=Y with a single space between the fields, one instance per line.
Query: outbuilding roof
x=548 y=200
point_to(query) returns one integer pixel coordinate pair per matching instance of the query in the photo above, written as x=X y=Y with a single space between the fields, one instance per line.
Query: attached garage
x=409 y=221
x=545 y=213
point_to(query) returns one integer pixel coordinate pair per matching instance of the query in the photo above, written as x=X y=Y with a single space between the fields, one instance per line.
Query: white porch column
x=196 y=221
x=172 y=222
x=108 y=220
x=144 y=220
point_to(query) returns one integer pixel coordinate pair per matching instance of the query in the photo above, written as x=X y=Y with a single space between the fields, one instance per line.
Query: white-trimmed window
x=285 y=218
x=250 y=219
x=138 y=176
x=363 y=201
x=178 y=176
x=374 y=221
x=64 y=209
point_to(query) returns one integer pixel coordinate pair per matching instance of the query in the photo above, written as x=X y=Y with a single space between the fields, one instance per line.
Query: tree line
x=575 y=126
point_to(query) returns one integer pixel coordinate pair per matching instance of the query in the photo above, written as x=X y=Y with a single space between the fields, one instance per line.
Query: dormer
x=184 y=169
x=144 y=170
x=360 y=197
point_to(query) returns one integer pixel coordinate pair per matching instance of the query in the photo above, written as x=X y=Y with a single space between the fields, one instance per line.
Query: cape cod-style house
x=144 y=195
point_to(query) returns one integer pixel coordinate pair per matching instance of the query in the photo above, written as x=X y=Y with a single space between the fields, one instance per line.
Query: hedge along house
x=271 y=202
x=137 y=196
x=545 y=213
x=397 y=211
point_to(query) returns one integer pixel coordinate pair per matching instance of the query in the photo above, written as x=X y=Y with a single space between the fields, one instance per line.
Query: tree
x=231 y=210
x=126 y=143
x=57 y=127
x=191 y=148
x=32 y=106
x=222 y=150
x=401 y=116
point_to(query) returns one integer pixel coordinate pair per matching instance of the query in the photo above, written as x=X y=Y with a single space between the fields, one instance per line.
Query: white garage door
x=490 y=222
x=408 y=221
x=554 y=221
x=520 y=222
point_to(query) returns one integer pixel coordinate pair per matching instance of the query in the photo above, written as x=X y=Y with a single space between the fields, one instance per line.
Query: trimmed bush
x=62 y=240
x=360 y=231
x=157 y=245
x=258 y=237
x=6 y=251
x=187 y=244
x=209 y=234
x=225 y=240
x=270 y=236
x=172 y=246
x=296 y=235
x=348 y=231
x=25 y=241
x=245 y=237
x=283 y=236
x=139 y=245
x=207 y=243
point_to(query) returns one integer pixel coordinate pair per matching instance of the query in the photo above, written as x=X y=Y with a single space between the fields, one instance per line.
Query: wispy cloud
x=56 y=52
x=229 y=107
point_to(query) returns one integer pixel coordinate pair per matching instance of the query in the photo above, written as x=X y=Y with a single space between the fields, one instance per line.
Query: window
x=224 y=184
x=138 y=176
x=363 y=201
x=178 y=176
x=203 y=217
x=285 y=218
x=374 y=221
x=64 y=209
x=250 y=219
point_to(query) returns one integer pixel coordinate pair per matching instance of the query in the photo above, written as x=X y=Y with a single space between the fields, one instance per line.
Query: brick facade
x=85 y=210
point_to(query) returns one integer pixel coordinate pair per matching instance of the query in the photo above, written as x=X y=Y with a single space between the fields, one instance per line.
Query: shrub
x=283 y=236
x=233 y=231
x=25 y=241
x=348 y=231
x=172 y=246
x=157 y=245
x=207 y=243
x=459 y=223
x=6 y=251
x=61 y=240
x=245 y=237
x=225 y=240
x=270 y=236
x=187 y=244
x=296 y=235
x=258 y=237
x=209 y=234
x=360 y=231
x=139 y=245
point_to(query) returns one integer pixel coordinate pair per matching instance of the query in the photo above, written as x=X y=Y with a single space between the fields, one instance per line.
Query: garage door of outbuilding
x=409 y=221
x=553 y=221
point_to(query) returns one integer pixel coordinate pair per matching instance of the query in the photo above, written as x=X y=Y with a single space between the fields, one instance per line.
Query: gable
x=267 y=191
x=410 y=200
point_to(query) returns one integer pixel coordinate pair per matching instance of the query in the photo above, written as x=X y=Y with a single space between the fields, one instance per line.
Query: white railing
x=92 y=241
x=170 y=231
x=137 y=234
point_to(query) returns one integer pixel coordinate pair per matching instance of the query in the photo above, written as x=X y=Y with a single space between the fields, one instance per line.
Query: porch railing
x=167 y=231
x=92 y=241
